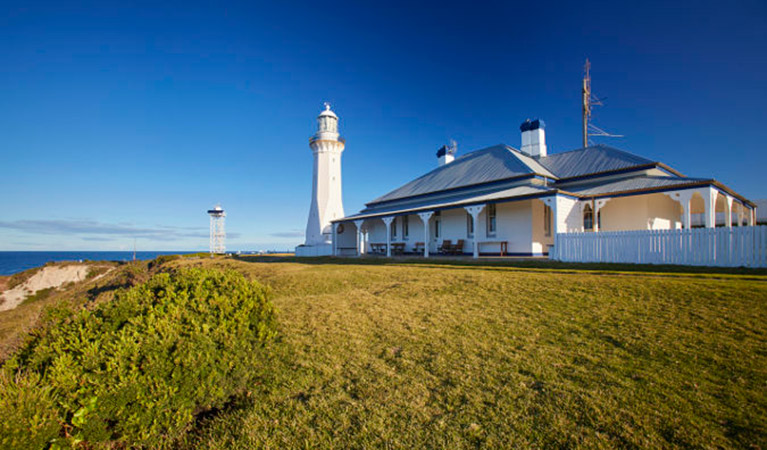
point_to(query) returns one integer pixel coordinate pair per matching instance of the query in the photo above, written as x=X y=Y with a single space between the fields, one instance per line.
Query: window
x=547 y=220
x=394 y=229
x=588 y=218
x=405 y=227
x=469 y=225
x=437 y=222
x=491 y=219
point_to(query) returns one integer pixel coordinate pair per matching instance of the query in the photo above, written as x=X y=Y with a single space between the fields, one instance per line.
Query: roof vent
x=533 y=137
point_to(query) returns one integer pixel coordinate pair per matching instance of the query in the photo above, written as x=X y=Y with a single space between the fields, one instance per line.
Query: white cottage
x=506 y=201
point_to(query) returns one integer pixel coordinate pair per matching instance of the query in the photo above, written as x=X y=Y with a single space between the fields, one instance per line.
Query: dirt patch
x=46 y=278
x=3 y=287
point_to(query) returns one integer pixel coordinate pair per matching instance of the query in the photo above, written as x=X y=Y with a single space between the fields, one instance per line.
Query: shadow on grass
x=536 y=265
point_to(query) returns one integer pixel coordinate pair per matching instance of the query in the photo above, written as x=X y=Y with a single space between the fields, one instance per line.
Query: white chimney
x=533 y=137
x=446 y=154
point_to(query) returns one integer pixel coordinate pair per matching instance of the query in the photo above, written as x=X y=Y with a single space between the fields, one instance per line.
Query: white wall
x=761 y=211
x=641 y=212
x=541 y=242
x=454 y=228
x=347 y=240
x=376 y=231
x=569 y=215
x=415 y=234
x=514 y=226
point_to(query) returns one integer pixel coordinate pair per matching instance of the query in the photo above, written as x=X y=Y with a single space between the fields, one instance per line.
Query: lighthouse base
x=315 y=250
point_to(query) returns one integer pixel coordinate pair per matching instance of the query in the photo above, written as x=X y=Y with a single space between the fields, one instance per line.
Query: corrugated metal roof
x=628 y=184
x=532 y=163
x=590 y=160
x=482 y=166
x=457 y=200
x=502 y=162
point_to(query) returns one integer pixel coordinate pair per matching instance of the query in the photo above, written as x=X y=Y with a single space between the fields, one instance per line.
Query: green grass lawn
x=471 y=355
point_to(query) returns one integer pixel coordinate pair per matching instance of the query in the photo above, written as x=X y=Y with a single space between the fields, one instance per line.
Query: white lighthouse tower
x=326 y=205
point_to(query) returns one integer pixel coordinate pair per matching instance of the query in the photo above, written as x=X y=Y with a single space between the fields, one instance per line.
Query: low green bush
x=162 y=259
x=134 y=372
x=42 y=294
x=94 y=271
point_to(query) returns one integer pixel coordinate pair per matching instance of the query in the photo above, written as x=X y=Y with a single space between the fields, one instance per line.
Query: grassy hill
x=476 y=355
x=461 y=356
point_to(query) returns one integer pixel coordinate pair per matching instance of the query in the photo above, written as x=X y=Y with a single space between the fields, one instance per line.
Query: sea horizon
x=15 y=261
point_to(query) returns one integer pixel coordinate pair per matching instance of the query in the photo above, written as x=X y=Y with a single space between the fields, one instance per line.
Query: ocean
x=13 y=262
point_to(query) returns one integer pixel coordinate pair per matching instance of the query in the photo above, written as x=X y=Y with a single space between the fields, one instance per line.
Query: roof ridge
x=590 y=146
x=515 y=167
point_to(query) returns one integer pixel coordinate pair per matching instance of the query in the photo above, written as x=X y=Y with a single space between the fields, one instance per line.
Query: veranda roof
x=643 y=182
x=453 y=201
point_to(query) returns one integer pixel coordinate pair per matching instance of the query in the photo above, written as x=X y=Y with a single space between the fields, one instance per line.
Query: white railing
x=729 y=247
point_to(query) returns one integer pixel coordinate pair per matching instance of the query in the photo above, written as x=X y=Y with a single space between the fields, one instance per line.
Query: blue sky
x=127 y=121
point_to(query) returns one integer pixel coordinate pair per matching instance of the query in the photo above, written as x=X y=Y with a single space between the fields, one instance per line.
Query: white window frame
x=405 y=228
x=546 y=220
x=588 y=212
x=469 y=225
x=394 y=229
x=492 y=217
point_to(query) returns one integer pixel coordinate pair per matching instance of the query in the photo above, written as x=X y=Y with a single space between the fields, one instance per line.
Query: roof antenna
x=452 y=148
x=590 y=100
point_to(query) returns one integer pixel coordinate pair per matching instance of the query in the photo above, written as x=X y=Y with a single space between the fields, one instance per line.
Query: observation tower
x=217 y=231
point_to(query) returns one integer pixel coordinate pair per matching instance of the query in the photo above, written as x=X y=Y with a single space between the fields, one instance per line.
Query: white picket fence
x=729 y=247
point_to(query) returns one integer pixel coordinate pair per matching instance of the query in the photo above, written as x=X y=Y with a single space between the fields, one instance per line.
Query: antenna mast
x=588 y=101
x=586 y=107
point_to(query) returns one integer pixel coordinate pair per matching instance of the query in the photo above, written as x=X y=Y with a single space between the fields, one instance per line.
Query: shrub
x=30 y=414
x=135 y=371
x=133 y=273
x=162 y=259
x=94 y=271
x=42 y=294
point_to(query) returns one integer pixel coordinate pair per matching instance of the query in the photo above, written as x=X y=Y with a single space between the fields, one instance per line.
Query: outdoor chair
x=457 y=249
x=446 y=248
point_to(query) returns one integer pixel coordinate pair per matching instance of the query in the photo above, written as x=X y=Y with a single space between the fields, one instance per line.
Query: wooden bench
x=418 y=248
x=378 y=248
x=345 y=251
x=504 y=246
x=446 y=248
x=457 y=249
